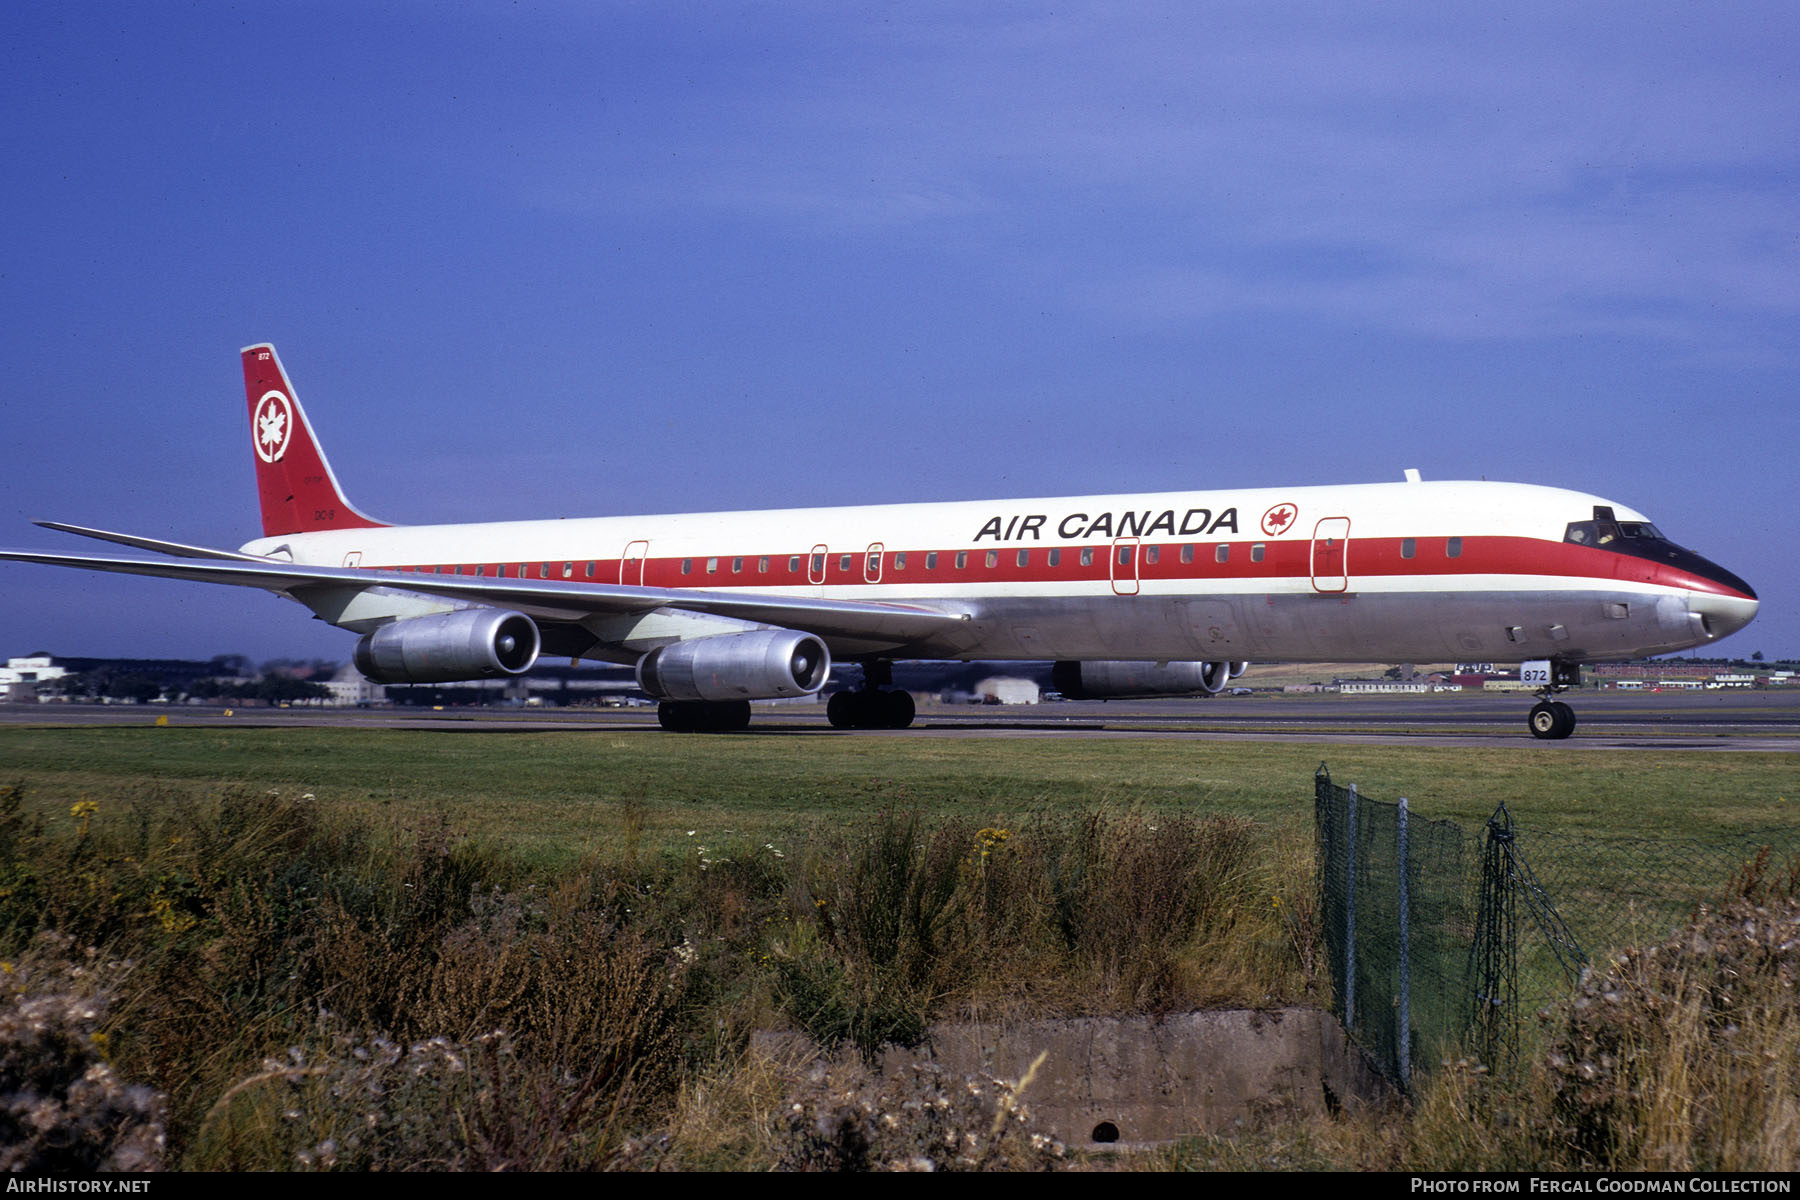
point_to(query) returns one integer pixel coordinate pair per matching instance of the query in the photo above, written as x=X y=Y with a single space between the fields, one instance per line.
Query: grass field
x=554 y=794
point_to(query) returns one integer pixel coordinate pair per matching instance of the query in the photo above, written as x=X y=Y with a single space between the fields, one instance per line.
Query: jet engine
x=470 y=643
x=760 y=665
x=1116 y=680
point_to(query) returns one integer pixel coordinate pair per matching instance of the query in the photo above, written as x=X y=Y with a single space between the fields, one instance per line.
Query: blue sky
x=581 y=258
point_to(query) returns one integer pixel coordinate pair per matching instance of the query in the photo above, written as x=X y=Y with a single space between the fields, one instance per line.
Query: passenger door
x=631 y=563
x=1331 y=555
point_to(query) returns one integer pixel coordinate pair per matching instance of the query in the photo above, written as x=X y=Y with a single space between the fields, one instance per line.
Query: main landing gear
x=703 y=716
x=870 y=707
x=1550 y=718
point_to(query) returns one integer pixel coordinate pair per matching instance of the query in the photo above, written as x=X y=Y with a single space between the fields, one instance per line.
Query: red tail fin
x=298 y=491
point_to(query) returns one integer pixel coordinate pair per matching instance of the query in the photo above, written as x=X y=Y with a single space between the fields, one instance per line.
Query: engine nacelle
x=1116 y=680
x=470 y=643
x=761 y=665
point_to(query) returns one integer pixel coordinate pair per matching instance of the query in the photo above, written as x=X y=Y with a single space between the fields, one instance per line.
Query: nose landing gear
x=1550 y=718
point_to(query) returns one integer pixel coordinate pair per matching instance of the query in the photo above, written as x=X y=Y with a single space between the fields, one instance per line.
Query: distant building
x=1002 y=689
x=20 y=677
x=351 y=689
x=1365 y=687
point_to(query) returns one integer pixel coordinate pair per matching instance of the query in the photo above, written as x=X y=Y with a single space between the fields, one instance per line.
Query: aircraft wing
x=554 y=601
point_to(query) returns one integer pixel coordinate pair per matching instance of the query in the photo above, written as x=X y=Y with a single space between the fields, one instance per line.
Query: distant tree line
x=143 y=687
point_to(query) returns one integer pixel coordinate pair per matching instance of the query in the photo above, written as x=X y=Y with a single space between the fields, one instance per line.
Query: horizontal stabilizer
x=178 y=549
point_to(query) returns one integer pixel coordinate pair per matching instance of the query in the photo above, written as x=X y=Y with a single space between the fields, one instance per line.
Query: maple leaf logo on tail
x=294 y=485
x=272 y=426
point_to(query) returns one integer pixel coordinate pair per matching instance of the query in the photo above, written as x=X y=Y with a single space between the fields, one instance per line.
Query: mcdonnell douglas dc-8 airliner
x=1164 y=594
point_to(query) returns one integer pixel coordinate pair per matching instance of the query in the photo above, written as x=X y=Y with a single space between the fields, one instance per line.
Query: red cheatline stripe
x=1281 y=560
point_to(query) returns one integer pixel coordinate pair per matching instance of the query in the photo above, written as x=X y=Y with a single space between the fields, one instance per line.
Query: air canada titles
x=1080 y=526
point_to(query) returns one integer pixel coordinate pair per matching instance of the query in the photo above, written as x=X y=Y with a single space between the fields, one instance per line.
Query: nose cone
x=1725 y=605
x=1721 y=615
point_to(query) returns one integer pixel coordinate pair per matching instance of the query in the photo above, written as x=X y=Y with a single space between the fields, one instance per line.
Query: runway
x=1766 y=721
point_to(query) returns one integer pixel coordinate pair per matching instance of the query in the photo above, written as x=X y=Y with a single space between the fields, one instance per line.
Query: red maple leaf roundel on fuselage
x=1277 y=519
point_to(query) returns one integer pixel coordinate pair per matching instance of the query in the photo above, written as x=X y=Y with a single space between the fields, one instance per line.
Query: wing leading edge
x=546 y=600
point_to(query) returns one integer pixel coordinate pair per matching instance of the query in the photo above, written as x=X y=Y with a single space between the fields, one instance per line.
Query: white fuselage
x=1372 y=572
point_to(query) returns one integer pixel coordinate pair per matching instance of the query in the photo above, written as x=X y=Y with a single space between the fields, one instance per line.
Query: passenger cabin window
x=900 y=560
x=1087 y=556
x=818 y=564
x=1152 y=554
x=1124 y=556
x=737 y=566
x=762 y=565
x=844 y=563
x=931 y=560
x=1024 y=559
x=568 y=570
x=793 y=564
x=1408 y=547
x=1453 y=548
x=1257 y=551
x=712 y=566
x=1222 y=552
x=1187 y=554
x=993 y=559
x=687 y=566
x=874 y=565
x=1056 y=557
x=962 y=559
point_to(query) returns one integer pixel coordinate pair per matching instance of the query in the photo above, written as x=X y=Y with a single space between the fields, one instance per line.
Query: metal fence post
x=1352 y=811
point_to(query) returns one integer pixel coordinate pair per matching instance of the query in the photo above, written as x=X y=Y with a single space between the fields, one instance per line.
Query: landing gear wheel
x=1568 y=717
x=869 y=710
x=1551 y=719
x=703 y=716
x=897 y=709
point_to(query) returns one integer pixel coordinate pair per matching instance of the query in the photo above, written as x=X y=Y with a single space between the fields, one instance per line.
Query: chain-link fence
x=1440 y=937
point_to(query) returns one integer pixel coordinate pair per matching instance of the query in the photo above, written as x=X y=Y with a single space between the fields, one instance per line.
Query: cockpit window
x=1591 y=533
x=1606 y=533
